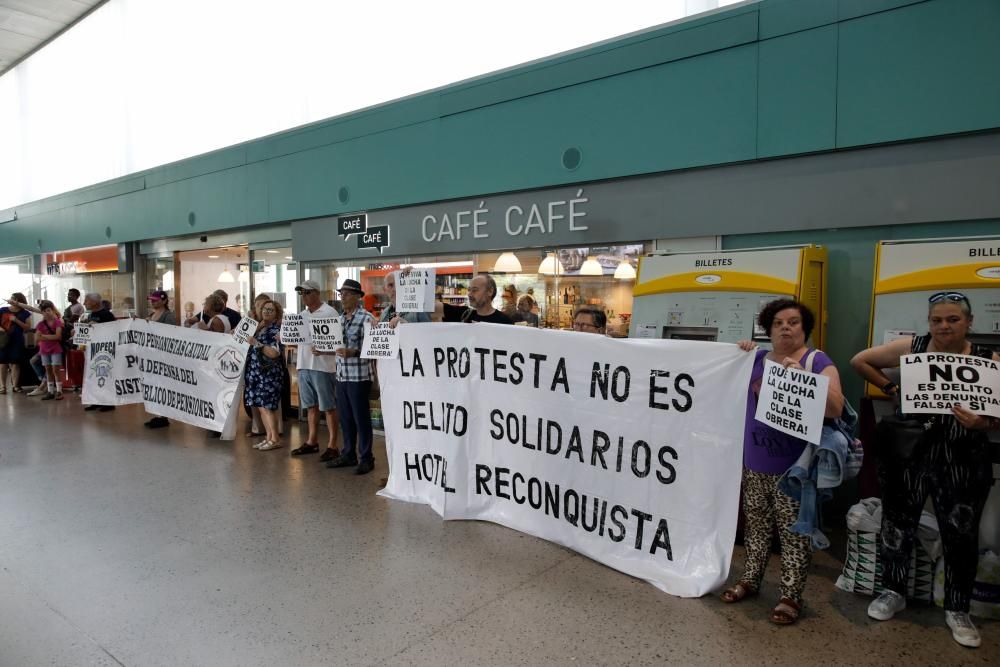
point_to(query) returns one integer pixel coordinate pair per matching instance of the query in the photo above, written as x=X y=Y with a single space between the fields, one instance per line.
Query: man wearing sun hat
x=354 y=384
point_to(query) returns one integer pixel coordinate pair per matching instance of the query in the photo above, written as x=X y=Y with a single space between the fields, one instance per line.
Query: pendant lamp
x=625 y=271
x=507 y=263
x=591 y=267
x=226 y=277
x=551 y=266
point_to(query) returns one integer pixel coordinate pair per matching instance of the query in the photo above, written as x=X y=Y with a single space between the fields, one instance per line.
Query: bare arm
x=835 y=398
x=869 y=363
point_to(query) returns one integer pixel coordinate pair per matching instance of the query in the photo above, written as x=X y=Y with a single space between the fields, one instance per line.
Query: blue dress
x=262 y=386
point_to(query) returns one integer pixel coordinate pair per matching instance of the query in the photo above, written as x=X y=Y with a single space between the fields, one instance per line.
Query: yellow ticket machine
x=907 y=273
x=716 y=296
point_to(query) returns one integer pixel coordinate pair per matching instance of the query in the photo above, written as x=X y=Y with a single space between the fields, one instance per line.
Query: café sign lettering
x=517 y=220
x=66 y=267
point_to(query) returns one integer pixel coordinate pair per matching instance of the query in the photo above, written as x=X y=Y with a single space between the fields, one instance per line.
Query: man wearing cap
x=354 y=384
x=316 y=375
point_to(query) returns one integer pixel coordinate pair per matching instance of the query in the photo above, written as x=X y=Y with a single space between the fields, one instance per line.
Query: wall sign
x=374 y=237
x=352 y=224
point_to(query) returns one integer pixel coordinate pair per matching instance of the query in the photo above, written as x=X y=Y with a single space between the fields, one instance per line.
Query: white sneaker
x=261 y=444
x=962 y=629
x=886 y=605
x=40 y=390
x=268 y=446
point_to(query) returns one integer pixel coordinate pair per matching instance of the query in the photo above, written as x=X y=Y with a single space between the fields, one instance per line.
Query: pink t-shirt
x=47 y=328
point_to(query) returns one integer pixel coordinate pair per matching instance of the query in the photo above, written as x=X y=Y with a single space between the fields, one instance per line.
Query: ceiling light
x=551 y=266
x=271 y=252
x=288 y=256
x=591 y=267
x=213 y=257
x=226 y=277
x=625 y=271
x=507 y=263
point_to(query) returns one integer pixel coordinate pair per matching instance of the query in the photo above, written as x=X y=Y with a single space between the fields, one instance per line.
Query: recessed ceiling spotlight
x=271 y=252
x=213 y=257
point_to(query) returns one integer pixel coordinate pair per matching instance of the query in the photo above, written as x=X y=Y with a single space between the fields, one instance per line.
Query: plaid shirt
x=355 y=369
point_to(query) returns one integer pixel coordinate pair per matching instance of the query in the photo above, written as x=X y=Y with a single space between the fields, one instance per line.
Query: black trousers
x=958 y=476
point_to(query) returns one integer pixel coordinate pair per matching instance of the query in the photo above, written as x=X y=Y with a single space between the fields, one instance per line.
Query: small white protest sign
x=381 y=342
x=294 y=330
x=415 y=291
x=933 y=382
x=245 y=328
x=792 y=401
x=327 y=333
x=81 y=333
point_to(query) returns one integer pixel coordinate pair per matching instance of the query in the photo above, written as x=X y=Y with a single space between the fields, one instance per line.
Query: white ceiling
x=27 y=25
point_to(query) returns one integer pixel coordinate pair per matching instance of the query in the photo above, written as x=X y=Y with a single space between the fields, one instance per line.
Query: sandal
x=329 y=454
x=786 y=612
x=3 y=390
x=737 y=592
x=305 y=449
x=16 y=390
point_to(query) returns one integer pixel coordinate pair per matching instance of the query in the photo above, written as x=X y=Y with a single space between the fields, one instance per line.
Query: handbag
x=898 y=437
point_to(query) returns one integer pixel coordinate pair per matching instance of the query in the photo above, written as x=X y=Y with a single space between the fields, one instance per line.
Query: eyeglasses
x=954 y=297
x=580 y=326
x=307 y=291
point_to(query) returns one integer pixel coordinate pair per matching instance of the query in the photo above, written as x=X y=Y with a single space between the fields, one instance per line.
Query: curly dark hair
x=766 y=317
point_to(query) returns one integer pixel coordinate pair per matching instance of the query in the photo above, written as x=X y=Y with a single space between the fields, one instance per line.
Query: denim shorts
x=54 y=359
x=316 y=388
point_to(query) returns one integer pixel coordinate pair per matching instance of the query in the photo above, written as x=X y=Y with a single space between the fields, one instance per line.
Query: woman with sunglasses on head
x=951 y=463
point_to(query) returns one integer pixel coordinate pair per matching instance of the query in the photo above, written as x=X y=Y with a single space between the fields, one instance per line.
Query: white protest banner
x=81 y=333
x=381 y=342
x=933 y=382
x=294 y=330
x=415 y=291
x=327 y=333
x=245 y=328
x=112 y=375
x=191 y=375
x=628 y=451
x=186 y=374
x=793 y=401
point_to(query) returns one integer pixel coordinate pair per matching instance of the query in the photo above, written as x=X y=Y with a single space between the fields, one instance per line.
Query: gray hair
x=92 y=296
x=491 y=284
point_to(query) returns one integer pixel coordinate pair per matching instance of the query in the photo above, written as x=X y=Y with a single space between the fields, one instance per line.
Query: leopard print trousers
x=763 y=506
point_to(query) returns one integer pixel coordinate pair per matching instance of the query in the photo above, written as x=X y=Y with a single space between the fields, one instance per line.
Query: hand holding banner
x=294 y=330
x=381 y=342
x=327 y=334
x=933 y=382
x=415 y=291
x=244 y=329
x=793 y=401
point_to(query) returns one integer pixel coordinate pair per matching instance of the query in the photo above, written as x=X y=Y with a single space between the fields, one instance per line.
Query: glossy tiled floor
x=120 y=546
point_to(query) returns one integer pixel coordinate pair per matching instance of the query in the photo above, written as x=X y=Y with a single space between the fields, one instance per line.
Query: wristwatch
x=890 y=388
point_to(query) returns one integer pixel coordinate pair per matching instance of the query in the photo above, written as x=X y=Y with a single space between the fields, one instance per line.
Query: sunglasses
x=954 y=297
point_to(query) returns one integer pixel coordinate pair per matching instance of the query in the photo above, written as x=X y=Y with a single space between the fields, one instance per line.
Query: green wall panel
x=781 y=17
x=922 y=70
x=797 y=94
x=849 y=277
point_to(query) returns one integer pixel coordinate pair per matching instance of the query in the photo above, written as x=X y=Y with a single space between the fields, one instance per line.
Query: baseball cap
x=311 y=285
x=158 y=294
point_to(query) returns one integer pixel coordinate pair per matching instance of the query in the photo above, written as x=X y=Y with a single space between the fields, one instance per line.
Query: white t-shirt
x=306 y=360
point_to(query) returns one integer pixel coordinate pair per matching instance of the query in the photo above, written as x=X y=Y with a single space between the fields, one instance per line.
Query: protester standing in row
x=159 y=304
x=97 y=313
x=389 y=313
x=354 y=384
x=482 y=291
x=768 y=453
x=211 y=317
x=317 y=375
x=15 y=321
x=265 y=373
x=951 y=463
x=590 y=319
x=75 y=310
x=231 y=315
x=256 y=423
x=49 y=335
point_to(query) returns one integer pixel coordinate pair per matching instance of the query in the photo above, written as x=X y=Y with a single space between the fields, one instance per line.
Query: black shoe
x=106 y=408
x=49 y=397
x=365 y=467
x=91 y=408
x=342 y=462
x=157 y=422
x=214 y=434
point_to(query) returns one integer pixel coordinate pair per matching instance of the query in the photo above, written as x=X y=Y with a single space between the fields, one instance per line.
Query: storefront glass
x=88 y=270
x=274 y=274
x=16 y=276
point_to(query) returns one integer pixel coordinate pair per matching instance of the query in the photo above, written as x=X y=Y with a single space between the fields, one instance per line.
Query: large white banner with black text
x=628 y=451
x=185 y=374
